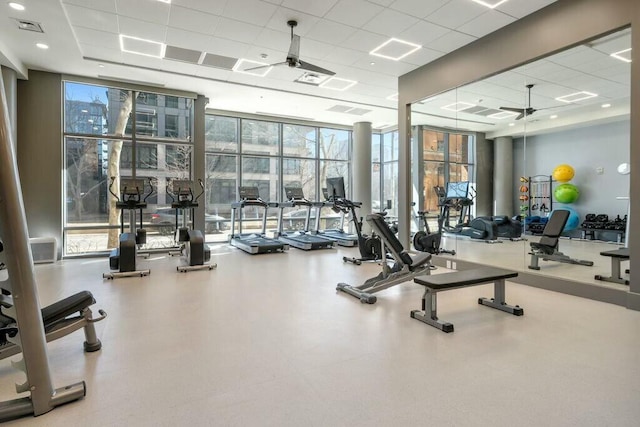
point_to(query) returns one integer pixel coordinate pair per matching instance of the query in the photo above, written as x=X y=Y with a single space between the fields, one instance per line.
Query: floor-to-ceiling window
x=104 y=139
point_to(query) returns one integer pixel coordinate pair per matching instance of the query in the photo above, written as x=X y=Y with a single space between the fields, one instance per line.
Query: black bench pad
x=464 y=278
x=618 y=253
x=70 y=305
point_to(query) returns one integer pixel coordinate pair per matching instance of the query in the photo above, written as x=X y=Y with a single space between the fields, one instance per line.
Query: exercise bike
x=426 y=241
x=370 y=247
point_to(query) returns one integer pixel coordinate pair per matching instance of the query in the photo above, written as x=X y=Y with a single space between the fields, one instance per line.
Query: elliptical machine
x=191 y=241
x=426 y=241
x=124 y=257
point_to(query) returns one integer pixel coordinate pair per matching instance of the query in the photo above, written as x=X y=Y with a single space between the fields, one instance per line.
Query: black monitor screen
x=458 y=190
x=249 y=193
x=131 y=187
x=335 y=188
x=294 y=193
x=181 y=187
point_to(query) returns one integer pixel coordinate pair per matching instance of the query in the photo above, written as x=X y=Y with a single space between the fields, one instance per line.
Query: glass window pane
x=299 y=141
x=334 y=144
x=433 y=144
x=390 y=146
x=86 y=109
x=261 y=172
x=120 y=104
x=146 y=156
x=221 y=133
x=376 y=204
x=155 y=116
x=459 y=148
x=300 y=173
x=433 y=176
x=390 y=188
x=376 y=144
x=221 y=185
x=260 y=137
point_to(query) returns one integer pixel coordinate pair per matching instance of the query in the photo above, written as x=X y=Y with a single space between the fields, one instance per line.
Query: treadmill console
x=294 y=193
x=131 y=187
x=181 y=187
x=249 y=193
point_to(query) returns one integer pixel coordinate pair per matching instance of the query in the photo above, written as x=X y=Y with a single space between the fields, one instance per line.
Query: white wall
x=585 y=149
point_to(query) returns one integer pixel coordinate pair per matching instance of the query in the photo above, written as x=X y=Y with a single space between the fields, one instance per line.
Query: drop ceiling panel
x=486 y=23
x=188 y=39
x=91 y=18
x=456 y=13
x=353 y=12
x=104 y=53
x=424 y=33
x=385 y=3
x=392 y=68
x=312 y=49
x=228 y=47
x=148 y=11
x=317 y=8
x=255 y=54
x=279 y=20
x=422 y=56
x=364 y=41
x=97 y=38
x=237 y=30
x=251 y=11
x=103 y=5
x=330 y=32
x=144 y=30
x=451 y=41
x=519 y=9
x=215 y=7
x=419 y=8
x=192 y=20
x=272 y=39
x=344 y=56
x=219 y=61
x=390 y=23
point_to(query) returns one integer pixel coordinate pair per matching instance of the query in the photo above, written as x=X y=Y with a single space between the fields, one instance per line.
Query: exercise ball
x=566 y=193
x=563 y=173
x=574 y=218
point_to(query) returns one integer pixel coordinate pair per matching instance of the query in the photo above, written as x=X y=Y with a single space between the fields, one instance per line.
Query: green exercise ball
x=566 y=193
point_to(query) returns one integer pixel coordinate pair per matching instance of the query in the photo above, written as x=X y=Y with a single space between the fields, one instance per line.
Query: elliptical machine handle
x=169 y=193
x=202 y=192
x=151 y=191
x=113 y=180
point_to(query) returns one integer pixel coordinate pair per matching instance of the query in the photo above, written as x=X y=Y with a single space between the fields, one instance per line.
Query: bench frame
x=616 y=269
x=429 y=313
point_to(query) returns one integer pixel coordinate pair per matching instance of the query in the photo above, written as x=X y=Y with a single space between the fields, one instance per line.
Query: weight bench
x=58 y=320
x=404 y=268
x=547 y=247
x=461 y=279
x=617 y=256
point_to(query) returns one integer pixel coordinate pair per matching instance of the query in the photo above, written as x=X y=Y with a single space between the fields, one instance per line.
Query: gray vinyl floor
x=266 y=341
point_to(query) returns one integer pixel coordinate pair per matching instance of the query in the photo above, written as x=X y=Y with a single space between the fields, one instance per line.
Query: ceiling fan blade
x=521 y=115
x=262 y=67
x=314 y=68
x=515 y=110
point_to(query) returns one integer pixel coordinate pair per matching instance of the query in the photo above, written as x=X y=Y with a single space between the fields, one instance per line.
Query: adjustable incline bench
x=461 y=279
x=547 y=247
x=617 y=256
x=405 y=266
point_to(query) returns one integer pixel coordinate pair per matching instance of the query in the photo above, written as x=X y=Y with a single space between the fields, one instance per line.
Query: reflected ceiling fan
x=526 y=111
x=293 y=57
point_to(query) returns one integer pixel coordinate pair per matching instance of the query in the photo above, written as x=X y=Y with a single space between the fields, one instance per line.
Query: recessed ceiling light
x=101 y=65
x=42 y=46
x=142 y=47
x=336 y=83
x=555 y=116
x=243 y=66
x=16 y=6
x=311 y=79
x=491 y=4
x=395 y=49
x=458 y=106
x=393 y=97
x=575 y=97
x=165 y=1
x=512 y=124
x=606 y=105
x=623 y=55
x=372 y=63
x=502 y=115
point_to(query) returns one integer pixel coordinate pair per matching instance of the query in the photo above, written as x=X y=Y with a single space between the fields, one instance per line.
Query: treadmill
x=341 y=237
x=253 y=243
x=301 y=239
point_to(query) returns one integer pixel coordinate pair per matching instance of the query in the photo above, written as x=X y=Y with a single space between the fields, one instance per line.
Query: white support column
x=361 y=164
x=503 y=176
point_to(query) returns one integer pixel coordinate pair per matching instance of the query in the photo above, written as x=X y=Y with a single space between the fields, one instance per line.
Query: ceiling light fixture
x=606 y=105
x=138 y=46
x=512 y=124
x=621 y=55
x=393 y=97
x=555 y=116
x=16 y=6
x=389 y=49
x=491 y=4
x=502 y=115
x=458 y=106
x=165 y=1
x=242 y=65
x=336 y=83
x=42 y=46
x=575 y=97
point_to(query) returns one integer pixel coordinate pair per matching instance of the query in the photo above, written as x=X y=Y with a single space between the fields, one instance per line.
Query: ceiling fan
x=293 y=57
x=524 y=111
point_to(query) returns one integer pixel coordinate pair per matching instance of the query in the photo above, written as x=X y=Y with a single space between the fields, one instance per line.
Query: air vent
x=339 y=108
x=311 y=79
x=219 y=61
x=358 y=111
x=183 y=55
x=29 y=25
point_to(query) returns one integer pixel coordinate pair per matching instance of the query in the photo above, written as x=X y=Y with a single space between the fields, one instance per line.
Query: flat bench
x=617 y=256
x=461 y=279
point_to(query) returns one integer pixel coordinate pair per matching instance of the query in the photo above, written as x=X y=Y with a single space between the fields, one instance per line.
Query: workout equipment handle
x=113 y=180
x=201 y=187
x=151 y=191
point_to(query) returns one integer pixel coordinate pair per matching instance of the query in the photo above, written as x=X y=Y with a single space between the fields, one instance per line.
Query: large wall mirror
x=507 y=134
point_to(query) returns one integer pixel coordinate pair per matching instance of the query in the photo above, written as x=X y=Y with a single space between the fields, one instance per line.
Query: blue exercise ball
x=574 y=218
